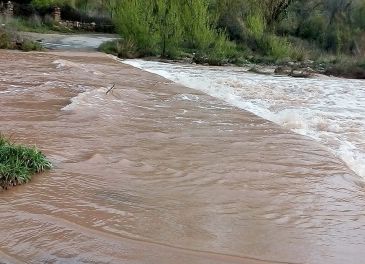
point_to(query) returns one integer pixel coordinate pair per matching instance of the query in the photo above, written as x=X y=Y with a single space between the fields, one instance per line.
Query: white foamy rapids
x=85 y=100
x=62 y=64
x=329 y=110
x=94 y=102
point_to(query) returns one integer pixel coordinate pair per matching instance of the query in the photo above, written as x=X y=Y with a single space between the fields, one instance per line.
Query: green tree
x=135 y=21
x=47 y=3
x=166 y=27
x=168 y=21
x=199 y=24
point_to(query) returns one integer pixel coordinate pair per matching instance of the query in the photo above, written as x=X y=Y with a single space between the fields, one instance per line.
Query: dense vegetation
x=221 y=31
x=274 y=26
x=18 y=163
x=10 y=40
x=329 y=32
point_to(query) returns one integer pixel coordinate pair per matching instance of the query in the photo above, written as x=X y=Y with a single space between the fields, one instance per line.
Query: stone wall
x=78 y=25
x=56 y=14
x=7 y=10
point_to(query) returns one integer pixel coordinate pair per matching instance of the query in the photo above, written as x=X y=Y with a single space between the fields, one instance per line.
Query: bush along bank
x=11 y=40
x=170 y=30
x=245 y=32
x=326 y=64
x=18 y=163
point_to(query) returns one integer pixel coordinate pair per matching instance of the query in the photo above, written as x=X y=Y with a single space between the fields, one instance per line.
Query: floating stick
x=110 y=89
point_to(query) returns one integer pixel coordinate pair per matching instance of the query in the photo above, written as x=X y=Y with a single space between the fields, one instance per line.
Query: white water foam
x=61 y=64
x=87 y=99
x=329 y=110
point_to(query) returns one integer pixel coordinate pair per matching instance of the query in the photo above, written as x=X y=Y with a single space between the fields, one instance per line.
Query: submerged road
x=71 y=42
x=155 y=172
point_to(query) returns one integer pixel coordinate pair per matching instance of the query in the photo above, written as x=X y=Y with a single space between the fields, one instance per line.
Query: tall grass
x=239 y=31
x=18 y=163
x=198 y=23
x=33 y=23
x=169 y=28
x=10 y=40
x=278 y=47
x=121 y=48
x=349 y=67
x=135 y=21
x=256 y=25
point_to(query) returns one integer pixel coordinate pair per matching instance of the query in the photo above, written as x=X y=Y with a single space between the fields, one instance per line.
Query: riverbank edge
x=262 y=69
x=298 y=69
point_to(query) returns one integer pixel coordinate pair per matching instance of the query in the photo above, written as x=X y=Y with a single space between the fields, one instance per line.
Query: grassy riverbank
x=314 y=36
x=33 y=24
x=324 y=36
x=18 y=163
x=327 y=64
x=11 y=40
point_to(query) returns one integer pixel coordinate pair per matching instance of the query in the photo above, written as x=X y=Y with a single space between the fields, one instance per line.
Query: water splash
x=329 y=110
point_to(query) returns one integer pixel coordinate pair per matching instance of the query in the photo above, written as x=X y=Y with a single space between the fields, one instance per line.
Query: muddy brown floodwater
x=155 y=172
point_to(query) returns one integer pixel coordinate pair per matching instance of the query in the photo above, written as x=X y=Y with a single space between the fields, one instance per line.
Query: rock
x=259 y=71
x=308 y=62
x=282 y=70
x=301 y=74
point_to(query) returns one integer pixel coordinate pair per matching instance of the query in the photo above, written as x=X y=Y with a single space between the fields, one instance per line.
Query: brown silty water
x=143 y=175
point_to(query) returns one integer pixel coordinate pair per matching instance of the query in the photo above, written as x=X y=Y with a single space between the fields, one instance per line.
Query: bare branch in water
x=110 y=89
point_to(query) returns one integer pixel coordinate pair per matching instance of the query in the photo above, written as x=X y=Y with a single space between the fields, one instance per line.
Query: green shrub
x=348 y=67
x=169 y=27
x=134 y=20
x=121 y=48
x=5 y=41
x=220 y=53
x=33 y=23
x=275 y=46
x=109 y=47
x=167 y=17
x=28 y=45
x=313 y=27
x=18 y=163
x=49 y=3
x=198 y=25
x=278 y=47
x=297 y=53
x=10 y=40
x=256 y=25
x=359 y=16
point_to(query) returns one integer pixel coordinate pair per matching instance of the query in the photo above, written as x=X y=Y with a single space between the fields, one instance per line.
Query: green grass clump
x=28 y=45
x=18 y=163
x=33 y=23
x=346 y=66
x=5 y=41
x=121 y=48
x=11 y=40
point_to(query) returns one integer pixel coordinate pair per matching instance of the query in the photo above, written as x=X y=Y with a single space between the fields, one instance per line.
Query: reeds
x=18 y=163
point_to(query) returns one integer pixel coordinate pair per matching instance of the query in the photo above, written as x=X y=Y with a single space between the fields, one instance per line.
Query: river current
x=328 y=110
x=155 y=172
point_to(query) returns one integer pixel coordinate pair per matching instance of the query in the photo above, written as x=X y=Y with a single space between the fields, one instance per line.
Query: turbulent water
x=154 y=172
x=329 y=110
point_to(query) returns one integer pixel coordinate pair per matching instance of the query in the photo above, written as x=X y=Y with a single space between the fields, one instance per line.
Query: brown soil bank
x=153 y=172
x=347 y=71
